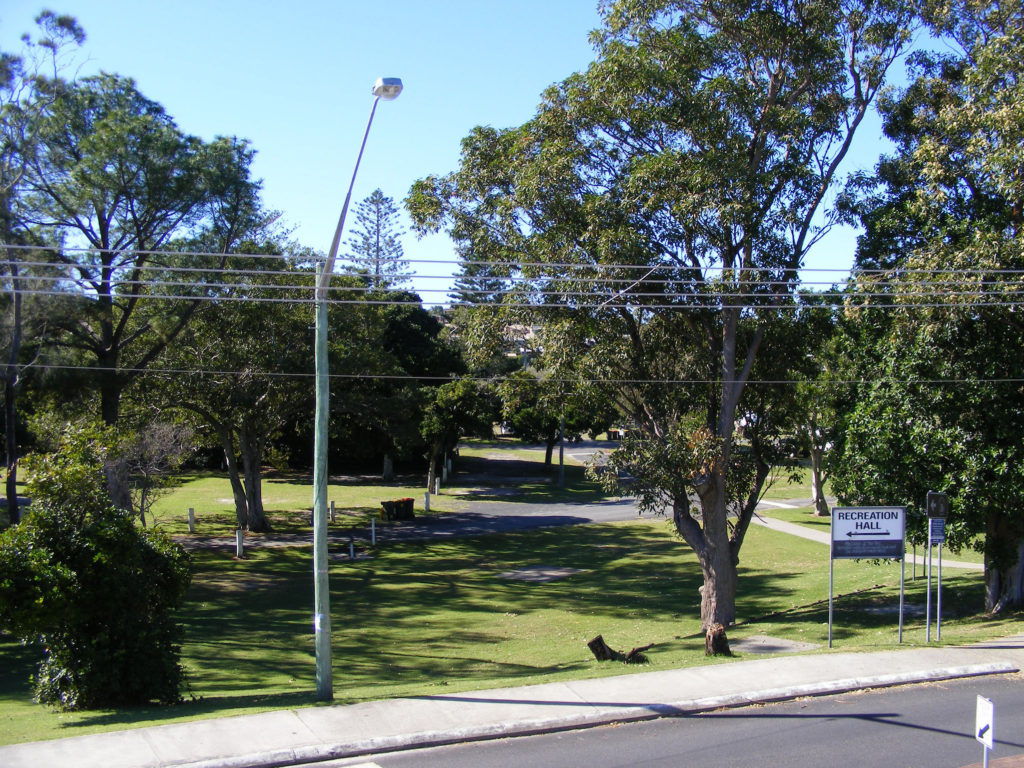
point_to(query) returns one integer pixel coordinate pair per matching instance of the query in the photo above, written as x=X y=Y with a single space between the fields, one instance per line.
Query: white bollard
x=373 y=532
x=239 y=549
x=426 y=501
x=351 y=547
x=332 y=510
x=191 y=520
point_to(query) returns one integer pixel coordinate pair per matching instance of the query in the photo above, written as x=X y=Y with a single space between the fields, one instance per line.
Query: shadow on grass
x=192 y=708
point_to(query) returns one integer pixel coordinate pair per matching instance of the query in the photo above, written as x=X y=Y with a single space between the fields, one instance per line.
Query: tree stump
x=715 y=641
x=602 y=652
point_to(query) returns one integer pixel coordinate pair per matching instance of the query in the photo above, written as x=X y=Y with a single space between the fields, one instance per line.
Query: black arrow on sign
x=983 y=730
x=866 y=533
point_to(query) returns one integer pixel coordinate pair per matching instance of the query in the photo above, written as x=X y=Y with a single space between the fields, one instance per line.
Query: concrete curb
x=600 y=716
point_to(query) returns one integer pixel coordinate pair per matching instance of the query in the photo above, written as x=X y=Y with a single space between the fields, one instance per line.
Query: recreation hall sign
x=869 y=533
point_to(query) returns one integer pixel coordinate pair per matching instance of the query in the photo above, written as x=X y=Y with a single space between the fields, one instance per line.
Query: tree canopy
x=942 y=246
x=659 y=205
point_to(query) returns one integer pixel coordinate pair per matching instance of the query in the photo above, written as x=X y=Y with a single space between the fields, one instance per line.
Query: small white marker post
x=373 y=531
x=983 y=722
x=239 y=549
x=191 y=520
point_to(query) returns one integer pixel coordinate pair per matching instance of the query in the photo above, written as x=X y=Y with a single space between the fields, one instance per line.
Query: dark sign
x=937 y=504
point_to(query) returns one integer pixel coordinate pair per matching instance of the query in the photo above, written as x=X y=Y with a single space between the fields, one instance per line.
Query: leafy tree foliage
x=400 y=351
x=545 y=411
x=240 y=356
x=93 y=591
x=376 y=248
x=943 y=218
x=458 y=408
x=28 y=82
x=656 y=211
x=110 y=180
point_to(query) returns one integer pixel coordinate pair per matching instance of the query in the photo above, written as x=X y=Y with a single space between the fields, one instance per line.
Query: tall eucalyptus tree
x=656 y=211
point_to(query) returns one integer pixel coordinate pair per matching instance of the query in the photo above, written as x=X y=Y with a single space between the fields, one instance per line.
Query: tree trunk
x=818 y=481
x=252 y=463
x=718 y=595
x=10 y=409
x=710 y=542
x=11 y=380
x=110 y=389
x=435 y=451
x=237 y=489
x=1004 y=572
x=717 y=563
x=549 y=452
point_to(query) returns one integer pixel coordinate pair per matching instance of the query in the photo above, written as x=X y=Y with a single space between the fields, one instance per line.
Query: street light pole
x=386 y=88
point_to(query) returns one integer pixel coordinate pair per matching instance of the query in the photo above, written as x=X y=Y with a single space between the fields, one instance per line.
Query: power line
x=500 y=378
x=538 y=306
x=624 y=293
x=713 y=266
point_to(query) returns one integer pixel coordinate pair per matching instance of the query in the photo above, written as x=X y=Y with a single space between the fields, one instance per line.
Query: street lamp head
x=387 y=88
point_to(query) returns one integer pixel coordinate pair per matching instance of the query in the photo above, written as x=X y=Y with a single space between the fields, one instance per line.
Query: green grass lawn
x=288 y=497
x=287 y=501
x=791 y=483
x=442 y=616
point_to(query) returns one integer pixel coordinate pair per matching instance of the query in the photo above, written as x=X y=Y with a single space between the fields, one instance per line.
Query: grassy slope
x=427 y=617
x=422 y=618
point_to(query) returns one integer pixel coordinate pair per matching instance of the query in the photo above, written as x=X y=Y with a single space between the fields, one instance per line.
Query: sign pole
x=938 y=601
x=928 y=592
x=831 y=568
x=903 y=573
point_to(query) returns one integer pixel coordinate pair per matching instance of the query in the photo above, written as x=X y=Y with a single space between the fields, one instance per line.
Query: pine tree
x=376 y=250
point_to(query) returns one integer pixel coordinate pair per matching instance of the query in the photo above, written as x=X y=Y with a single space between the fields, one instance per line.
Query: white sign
x=868 y=532
x=983 y=721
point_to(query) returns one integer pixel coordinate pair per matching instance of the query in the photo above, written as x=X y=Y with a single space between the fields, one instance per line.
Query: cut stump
x=603 y=652
x=715 y=641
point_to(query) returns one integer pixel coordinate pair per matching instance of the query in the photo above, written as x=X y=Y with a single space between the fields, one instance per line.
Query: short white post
x=444 y=474
x=332 y=510
x=426 y=501
x=239 y=549
x=191 y=520
x=351 y=547
x=437 y=485
x=373 y=531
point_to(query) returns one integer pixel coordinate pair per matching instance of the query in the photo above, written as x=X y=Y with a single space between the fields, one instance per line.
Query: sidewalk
x=322 y=733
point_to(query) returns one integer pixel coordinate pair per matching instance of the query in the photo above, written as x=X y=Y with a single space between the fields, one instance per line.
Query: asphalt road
x=929 y=725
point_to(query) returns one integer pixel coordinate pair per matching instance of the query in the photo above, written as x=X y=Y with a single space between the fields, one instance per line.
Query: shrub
x=95 y=592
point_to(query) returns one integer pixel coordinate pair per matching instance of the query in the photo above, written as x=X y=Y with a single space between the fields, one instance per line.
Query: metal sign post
x=937 y=505
x=867 y=533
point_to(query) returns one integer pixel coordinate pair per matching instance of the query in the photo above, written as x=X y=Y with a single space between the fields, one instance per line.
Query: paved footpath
x=328 y=732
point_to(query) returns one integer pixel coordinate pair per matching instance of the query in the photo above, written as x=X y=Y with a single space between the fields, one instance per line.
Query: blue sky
x=294 y=78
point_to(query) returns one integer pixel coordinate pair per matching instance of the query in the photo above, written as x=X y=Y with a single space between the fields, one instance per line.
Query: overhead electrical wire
x=666 y=295
x=517 y=265
x=501 y=378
